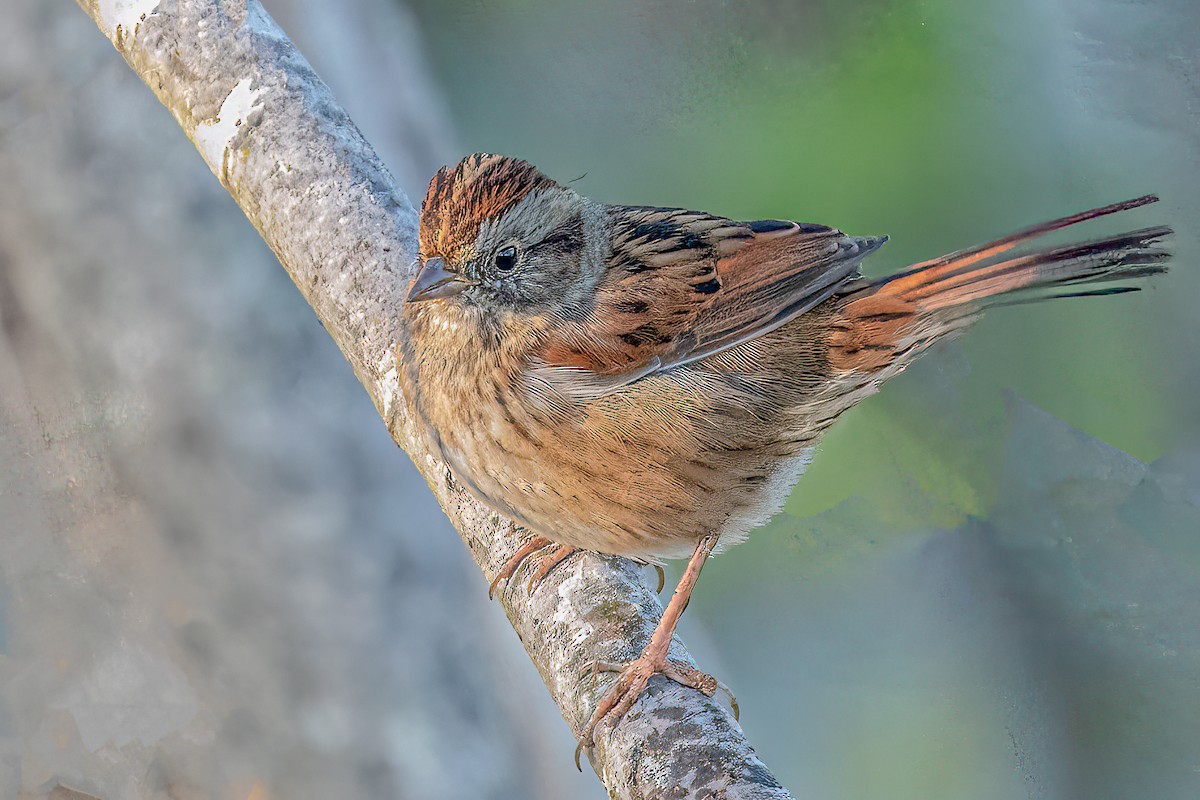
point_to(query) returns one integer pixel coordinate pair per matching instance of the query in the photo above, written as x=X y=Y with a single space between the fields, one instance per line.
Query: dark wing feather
x=683 y=285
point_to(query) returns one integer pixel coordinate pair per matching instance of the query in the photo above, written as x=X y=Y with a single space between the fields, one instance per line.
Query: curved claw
x=514 y=563
x=707 y=685
x=662 y=577
x=492 y=586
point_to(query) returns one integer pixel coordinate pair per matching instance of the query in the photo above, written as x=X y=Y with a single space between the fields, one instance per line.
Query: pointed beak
x=434 y=281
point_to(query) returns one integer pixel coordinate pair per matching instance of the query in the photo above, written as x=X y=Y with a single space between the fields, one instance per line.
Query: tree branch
x=315 y=190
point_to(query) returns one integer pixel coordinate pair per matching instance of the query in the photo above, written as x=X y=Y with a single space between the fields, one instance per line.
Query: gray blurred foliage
x=218 y=576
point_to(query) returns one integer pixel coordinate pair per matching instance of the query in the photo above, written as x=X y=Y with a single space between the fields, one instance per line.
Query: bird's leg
x=548 y=562
x=636 y=674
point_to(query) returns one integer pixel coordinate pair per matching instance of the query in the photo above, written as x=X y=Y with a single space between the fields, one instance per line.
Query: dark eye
x=506 y=258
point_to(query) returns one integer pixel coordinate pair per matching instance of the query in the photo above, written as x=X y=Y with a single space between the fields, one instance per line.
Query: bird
x=651 y=382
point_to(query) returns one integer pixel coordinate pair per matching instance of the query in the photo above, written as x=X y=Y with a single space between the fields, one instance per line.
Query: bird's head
x=499 y=236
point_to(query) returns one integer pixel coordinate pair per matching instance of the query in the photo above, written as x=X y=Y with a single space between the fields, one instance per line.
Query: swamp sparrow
x=650 y=382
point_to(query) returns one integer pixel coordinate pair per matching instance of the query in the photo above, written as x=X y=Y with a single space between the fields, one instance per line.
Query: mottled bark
x=313 y=187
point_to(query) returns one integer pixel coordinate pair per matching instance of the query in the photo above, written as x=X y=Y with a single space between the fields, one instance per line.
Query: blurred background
x=219 y=578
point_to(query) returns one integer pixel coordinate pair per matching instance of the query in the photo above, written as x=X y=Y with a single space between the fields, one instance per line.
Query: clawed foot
x=662 y=577
x=630 y=684
x=554 y=555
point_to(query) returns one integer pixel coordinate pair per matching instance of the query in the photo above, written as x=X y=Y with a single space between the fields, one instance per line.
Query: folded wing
x=682 y=285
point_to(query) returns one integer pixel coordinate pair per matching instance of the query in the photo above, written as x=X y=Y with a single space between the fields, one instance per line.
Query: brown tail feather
x=883 y=320
x=962 y=259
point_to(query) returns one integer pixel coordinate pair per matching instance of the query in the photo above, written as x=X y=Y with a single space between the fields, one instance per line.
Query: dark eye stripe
x=567 y=238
